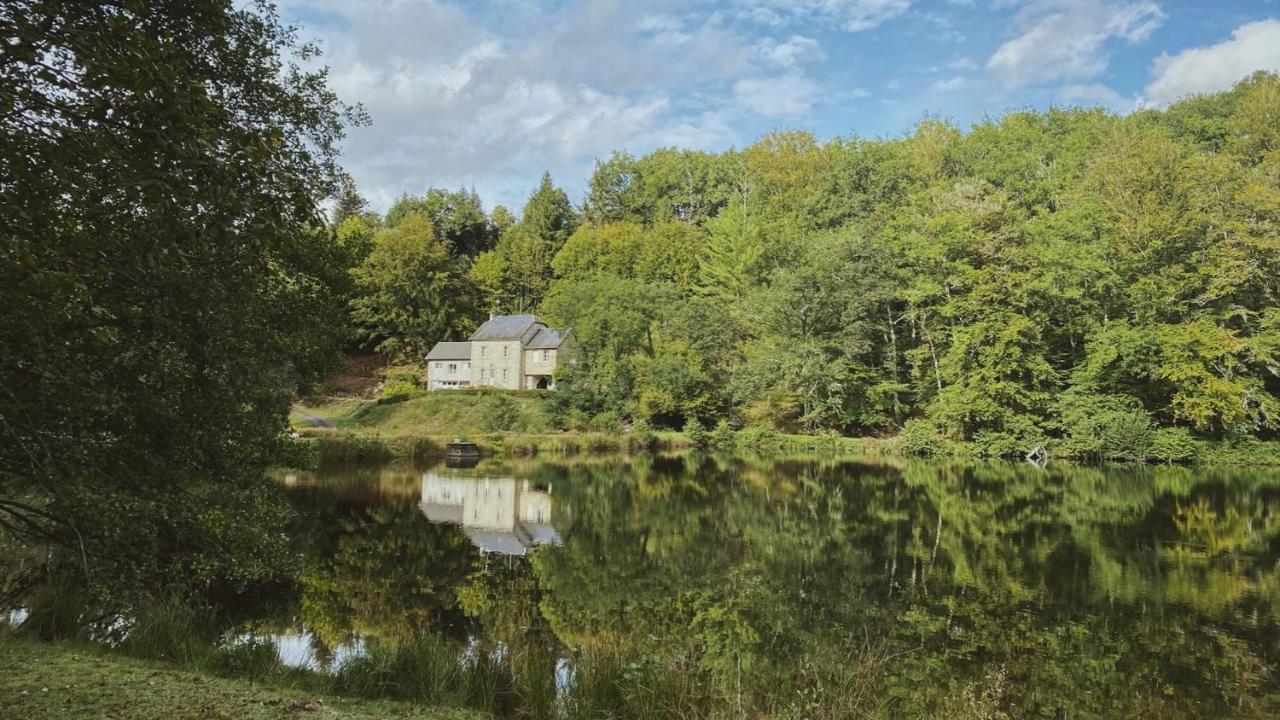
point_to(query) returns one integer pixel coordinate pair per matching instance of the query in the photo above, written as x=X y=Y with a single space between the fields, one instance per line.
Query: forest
x=1102 y=285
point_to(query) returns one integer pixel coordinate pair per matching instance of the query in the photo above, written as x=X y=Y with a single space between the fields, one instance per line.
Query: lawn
x=54 y=681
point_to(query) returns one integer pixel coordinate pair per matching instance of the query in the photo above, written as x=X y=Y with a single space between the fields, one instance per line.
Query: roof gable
x=450 y=351
x=547 y=339
x=505 y=327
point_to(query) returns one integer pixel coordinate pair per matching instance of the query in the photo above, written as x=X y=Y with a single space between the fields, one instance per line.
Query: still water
x=693 y=586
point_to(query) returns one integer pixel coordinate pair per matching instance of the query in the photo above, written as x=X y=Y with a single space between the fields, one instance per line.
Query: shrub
x=1117 y=434
x=247 y=658
x=1240 y=451
x=298 y=452
x=759 y=439
x=918 y=438
x=501 y=413
x=170 y=629
x=642 y=438
x=602 y=443
x=420 y=449
x=424 y=669
x=1172 y=444
x=1104 y=427
x=724 y=437
x=394 y=392
x=348 y=448
x=606 y=422
x=574 y=420
x=56 y=610
x=696 y=433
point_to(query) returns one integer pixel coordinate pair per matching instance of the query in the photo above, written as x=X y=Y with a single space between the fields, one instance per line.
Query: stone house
x=449 y=366
x=515 y=352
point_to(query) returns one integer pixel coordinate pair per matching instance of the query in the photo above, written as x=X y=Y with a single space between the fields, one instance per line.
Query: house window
x=504 y=373
x=481 y=351
x=546 y=355
x=453 y=368
x=504 y=351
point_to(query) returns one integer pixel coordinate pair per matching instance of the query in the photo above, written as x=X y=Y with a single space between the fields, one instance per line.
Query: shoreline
x=315 y=446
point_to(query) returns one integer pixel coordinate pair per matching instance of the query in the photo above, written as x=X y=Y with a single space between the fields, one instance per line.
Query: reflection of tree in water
x=722 y=586
x=1061 y=590
x=375 y=569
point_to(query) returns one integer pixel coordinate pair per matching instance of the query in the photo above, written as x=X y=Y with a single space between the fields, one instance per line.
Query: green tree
x=165 y=288
x=411 y=291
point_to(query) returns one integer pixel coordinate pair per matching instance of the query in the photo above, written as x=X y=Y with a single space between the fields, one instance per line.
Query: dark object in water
x=461 y=454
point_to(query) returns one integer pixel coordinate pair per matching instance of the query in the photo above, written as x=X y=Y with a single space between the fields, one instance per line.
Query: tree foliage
x=166 y=282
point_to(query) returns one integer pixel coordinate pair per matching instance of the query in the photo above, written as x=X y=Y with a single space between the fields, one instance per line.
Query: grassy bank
x=518 y=424
x=458 y=412
x=48 y=681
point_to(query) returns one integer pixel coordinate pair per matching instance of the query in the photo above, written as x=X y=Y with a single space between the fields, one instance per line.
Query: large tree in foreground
x=164 y=281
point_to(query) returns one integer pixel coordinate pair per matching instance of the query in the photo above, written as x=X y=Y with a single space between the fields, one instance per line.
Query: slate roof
x=499 y=541
x=450 y=351
x=440 y=513
x=504 y=327
x=547 y=339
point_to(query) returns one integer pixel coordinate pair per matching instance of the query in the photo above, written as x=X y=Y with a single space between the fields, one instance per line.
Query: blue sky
x=490 y=93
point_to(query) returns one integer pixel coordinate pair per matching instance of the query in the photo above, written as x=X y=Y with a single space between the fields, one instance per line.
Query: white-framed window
x=453 y=368
x=504 y=350
x=481 y=351
x=546 y=355
x=504 y=373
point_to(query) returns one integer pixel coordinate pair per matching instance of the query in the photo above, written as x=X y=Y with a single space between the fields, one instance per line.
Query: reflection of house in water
x=500 y=515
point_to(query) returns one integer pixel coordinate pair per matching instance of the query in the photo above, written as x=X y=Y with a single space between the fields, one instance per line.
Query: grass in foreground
x=48 y=681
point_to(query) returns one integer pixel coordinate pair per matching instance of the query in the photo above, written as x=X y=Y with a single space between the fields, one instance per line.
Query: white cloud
x=962 y=64
x=1095 y=94
x=1067 y=39
x=459 y=100
x=1252 y=47
x=851 y=15
x=949 y=85
x=791 y=52
x=788 y=95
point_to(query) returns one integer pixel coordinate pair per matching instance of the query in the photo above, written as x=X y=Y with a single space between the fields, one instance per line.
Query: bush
x=1104 y=427
x=1172 y=444
x=349 y=448
x=501 y=413
x=1240 y=451
x=168 y=629
x=574 y=420
x=424 y=669
x=759 y=439
x=642 y=438
x=724 y=437
x=420 y=449
x=696 y=434
x=606 y=422
x=394 y=392
x=56 y=610
x=918 y=438
x=298 y=452
x=1111 y=435
x=247 y=658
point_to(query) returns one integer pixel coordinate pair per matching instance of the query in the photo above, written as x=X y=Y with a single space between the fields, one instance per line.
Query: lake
x=689 y=586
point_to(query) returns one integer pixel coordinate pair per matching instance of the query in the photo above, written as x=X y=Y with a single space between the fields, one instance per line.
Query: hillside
x=459 y=412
